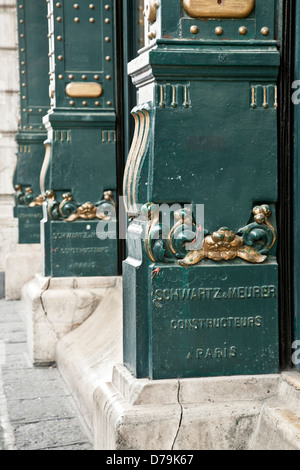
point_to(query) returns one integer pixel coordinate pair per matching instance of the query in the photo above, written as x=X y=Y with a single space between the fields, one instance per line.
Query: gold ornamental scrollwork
x=90 y=211
x=69 y=210
x=252 y=243
x=150 y=10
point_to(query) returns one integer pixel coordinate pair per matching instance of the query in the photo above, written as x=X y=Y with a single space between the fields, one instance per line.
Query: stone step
x=86 y=356
x=279 y=423
x=278 y=429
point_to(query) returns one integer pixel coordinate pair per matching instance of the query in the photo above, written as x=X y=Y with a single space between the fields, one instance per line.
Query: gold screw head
x=59 y=38
x=76 y=20
x=107 y=20
x=58 y=19
x=60 y=77
x=265 y=31
x=72 y=103
x=71 y=77
x=76 y=6
x=194 y=29
x=107 y=7
x=107 y=58
x=108 y=77
x=91 y=6
x=243 y=30
x=96 y=77
x=58 y=5
x=92 y=20
x=97 y=103
x=109 y=103
x=219 y=30
x=83 y=77
x=107 y=39
x=60 y=57
x=84 y=103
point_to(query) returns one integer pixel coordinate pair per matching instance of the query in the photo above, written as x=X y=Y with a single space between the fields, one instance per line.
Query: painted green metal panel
x=206 y=134
x=212 y=321
x=34 y=103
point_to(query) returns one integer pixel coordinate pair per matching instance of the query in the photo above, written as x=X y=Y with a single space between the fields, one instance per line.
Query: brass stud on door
x=265 y=31
x=243 y=30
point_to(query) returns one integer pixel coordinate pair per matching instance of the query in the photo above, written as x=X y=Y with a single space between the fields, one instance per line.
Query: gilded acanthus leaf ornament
x=226 y=245
x=39 y=201
x=223 y=245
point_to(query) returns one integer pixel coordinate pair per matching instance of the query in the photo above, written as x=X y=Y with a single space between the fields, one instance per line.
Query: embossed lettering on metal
x=219 y=9
x=84 y=90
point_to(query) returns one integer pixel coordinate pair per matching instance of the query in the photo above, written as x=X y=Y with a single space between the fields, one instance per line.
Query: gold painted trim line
x=221 y=9
x=253 y=104
x=134 y=160
x=45 y=165
x=130 y=159
x=140 y=155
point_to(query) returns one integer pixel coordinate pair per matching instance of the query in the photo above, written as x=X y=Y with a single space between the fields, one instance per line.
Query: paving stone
x=1 y=438
x=46 y=434
x=33 y=383
x=73 y=447
x=40 y=409
x=41 y=413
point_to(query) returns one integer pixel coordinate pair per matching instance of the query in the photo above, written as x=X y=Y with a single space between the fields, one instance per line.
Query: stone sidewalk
x=37 y=411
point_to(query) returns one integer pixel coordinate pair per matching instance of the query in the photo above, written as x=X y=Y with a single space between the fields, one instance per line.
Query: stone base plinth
x=219 y=413
x=56 y=306
x=86 y=356
x=21 y=265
